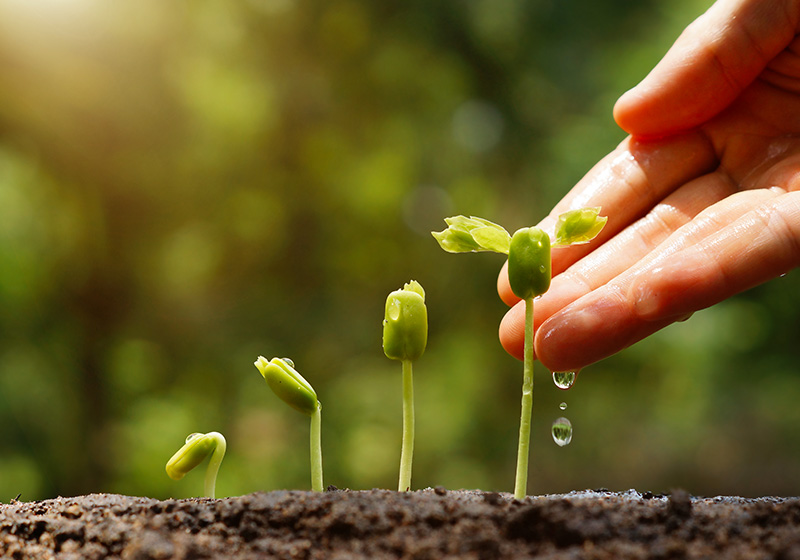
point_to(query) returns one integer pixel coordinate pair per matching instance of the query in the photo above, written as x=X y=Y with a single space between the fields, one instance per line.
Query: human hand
x=703 y=199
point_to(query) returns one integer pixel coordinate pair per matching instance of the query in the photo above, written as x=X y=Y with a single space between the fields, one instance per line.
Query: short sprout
x=298 y=393
x=194 y=451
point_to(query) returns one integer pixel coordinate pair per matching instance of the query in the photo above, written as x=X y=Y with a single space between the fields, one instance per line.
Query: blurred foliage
x=185 y=186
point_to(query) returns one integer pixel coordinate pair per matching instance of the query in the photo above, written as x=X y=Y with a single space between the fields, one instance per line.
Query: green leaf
x=492 y=239
x=578 y=226
x=473 y=234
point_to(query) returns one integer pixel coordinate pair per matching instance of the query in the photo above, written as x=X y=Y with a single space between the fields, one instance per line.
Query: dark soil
x=427 y=524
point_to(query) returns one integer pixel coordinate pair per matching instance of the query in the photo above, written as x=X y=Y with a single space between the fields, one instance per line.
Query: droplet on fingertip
x=564 y=379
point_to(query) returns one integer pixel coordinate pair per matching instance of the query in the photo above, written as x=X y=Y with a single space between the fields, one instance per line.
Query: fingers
x=742 y=241
x=620 y=253
x=512 y=329
x=626 y=184
x=713 y=60
x=762 y=244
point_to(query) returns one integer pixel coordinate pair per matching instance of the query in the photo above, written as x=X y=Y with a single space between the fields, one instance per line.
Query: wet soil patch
x=426 y=524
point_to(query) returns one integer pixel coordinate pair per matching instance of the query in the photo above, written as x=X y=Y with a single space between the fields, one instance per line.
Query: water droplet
x=562 y=431
x=563 y=406
x=192 y=436
x=289 y=362
x=393 y=310
x=564 y=379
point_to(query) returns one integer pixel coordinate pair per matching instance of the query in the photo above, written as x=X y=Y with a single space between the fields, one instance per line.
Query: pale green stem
x=210 y=484
x=316 y=449
x=521 y=485
x=407 y=452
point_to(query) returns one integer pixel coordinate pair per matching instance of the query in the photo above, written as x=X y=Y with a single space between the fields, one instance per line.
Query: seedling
x=529 y=274
x=405 y=334
x=194 y=451
x=295 y=391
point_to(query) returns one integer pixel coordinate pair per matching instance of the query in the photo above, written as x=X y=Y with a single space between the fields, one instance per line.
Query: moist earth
x=425 y=524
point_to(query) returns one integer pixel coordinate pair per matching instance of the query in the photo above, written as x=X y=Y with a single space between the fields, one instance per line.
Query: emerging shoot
x=294 y=390
x=405 y=334
x=194 y=451
x=529 y=273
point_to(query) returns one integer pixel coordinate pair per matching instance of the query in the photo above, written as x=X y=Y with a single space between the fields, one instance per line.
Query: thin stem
x=316 y=449
x=521 y=484
x=407 y=452
x=210 y=483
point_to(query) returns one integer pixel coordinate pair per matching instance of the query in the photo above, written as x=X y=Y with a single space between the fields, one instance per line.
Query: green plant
x=295 y=391
x=405 y=334
x=194 y=451
x=529 y=274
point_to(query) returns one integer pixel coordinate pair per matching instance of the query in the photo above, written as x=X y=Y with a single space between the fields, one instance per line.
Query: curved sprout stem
x=210 y=483
x=316 y=449
x=407 y=452
x=521 y=484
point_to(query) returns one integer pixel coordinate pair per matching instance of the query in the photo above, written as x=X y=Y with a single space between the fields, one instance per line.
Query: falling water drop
x=563 y=406
x=564 y=379
x=562 y=431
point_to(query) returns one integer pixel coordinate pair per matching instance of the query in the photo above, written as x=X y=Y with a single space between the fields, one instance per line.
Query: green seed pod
x=405 y=324
x=194 y=451
x=289 y=385
x=529 y=262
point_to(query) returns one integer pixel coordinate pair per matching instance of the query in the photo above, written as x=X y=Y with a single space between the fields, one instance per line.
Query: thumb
x=713 y=60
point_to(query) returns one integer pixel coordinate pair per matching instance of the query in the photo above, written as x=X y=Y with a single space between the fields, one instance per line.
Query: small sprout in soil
x=194 y=451
x=295 y=391
x=405 y=334
x=529 y=273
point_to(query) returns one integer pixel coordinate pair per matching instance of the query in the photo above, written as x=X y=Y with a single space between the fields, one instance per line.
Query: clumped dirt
x=427 y=524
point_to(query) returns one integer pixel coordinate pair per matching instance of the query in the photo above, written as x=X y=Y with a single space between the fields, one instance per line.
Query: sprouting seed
x=194 y=451
x=294 y=390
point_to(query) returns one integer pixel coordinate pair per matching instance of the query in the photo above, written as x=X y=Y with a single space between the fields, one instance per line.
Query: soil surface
x=426 y=524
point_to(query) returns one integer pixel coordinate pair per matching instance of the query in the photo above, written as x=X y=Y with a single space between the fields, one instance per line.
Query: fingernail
x=570 y=339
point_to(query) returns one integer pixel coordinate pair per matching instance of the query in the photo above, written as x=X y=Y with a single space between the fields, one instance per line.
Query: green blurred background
x=187 y=185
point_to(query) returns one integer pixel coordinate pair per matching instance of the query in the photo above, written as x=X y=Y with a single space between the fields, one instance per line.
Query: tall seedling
x=529 y=274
